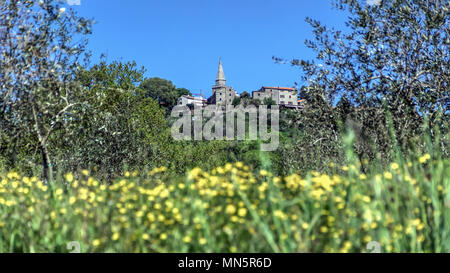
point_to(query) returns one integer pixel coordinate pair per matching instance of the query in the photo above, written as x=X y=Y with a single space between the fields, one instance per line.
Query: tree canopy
x=393 y=55
x=163 y=91
x=42 y=47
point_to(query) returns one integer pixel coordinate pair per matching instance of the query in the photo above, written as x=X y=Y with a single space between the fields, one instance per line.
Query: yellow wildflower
x=96 y=242
x=388 y=175
x=242 y=212
x=187 y=239
x=230 y=209
x=394 y=166
x=69 y=177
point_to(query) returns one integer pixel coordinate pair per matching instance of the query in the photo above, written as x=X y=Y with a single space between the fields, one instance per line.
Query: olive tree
x=42 y=46
x=393 y=55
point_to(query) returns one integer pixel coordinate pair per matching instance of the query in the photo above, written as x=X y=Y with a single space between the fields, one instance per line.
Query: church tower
x=221 y=93
x=220 y=80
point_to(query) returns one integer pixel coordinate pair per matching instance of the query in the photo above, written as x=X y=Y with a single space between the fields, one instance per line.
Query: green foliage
x=236 y=101
x=120 y=126
x=269 y=101
x=386 y=56
x=182 y=91
x=375 y=124
x=386 y=63
x=40 y=56
x=163 y=91
x=245 y=95
x=232 y=208
x=255 y=102
x=245 y=99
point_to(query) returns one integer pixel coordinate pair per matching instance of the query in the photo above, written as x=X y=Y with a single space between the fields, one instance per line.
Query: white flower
x=62 y=10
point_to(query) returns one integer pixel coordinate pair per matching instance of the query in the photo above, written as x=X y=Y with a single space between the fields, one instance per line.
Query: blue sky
x=182 y=40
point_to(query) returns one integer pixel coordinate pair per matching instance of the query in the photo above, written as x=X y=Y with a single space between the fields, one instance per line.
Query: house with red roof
x=283 y=96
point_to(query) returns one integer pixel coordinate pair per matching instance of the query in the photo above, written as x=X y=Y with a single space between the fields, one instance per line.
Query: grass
x=405 y=207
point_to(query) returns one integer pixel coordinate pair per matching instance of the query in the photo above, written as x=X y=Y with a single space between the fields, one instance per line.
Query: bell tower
x=221 y=93
x=220 y=80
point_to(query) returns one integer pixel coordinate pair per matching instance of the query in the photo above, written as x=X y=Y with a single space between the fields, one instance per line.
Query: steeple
x=220 y=80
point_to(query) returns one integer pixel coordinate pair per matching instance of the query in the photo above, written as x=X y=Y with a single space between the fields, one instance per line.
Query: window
x=259 y=95
x=290 y=96
x=281 y=96
x=290 y=103
x=230 y=94
x=220 y=93
x=282 y=102
x=220 y=99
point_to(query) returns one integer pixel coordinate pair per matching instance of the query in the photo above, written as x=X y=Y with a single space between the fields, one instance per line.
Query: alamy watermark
x=74 y=247
x=373 y=247
x=228 y=123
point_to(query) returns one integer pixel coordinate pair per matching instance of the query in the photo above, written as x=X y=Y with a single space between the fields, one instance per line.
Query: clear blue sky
x=182 y=40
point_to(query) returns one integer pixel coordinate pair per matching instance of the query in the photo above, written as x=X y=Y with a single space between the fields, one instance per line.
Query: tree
x=255 y=102
x=121 y=126
x=236 y=101
x=245 y=95
x=41 y=49
x=269 y=101
x=245 y=99
x=163 y=91
x=394 y=54
x=183 y=92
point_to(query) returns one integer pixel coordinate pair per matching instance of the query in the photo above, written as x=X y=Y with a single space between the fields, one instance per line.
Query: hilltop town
x=223 y=95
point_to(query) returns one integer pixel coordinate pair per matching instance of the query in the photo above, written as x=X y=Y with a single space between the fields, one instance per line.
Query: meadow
x=404 y=207
x=87 y=155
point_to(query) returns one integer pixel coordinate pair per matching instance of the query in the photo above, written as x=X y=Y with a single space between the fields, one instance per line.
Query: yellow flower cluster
x=230 y=208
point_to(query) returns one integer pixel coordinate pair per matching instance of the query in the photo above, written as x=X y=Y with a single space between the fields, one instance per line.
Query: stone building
x=221 y=93
x=284 y=96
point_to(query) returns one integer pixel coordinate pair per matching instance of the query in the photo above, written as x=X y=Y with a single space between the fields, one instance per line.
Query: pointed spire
x=220 y=80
